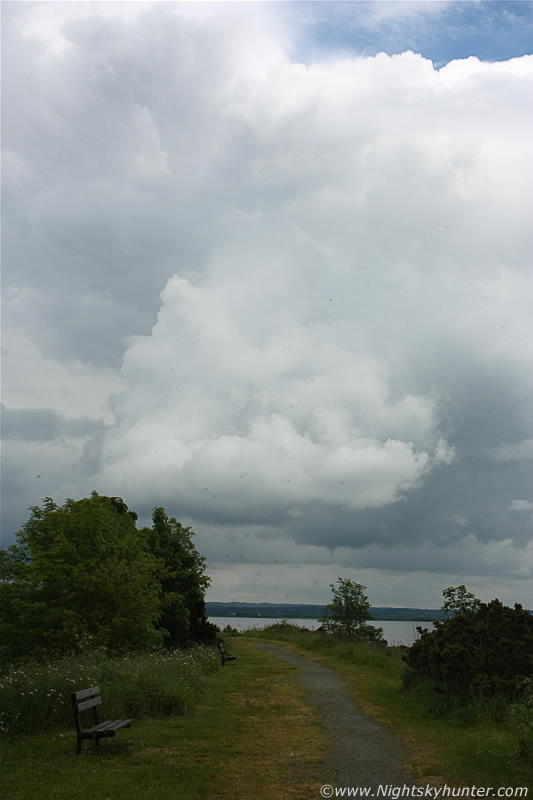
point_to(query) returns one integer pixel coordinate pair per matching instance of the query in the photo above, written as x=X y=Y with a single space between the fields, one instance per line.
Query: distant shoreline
x=308 y=611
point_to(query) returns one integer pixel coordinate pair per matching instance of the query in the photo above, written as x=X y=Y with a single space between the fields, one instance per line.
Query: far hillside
x=309 y=611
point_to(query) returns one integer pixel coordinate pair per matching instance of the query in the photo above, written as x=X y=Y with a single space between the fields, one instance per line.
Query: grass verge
x=249 y=736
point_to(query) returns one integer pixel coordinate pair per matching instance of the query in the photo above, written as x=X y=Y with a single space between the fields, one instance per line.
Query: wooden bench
x=223 y=656
x=90 y=698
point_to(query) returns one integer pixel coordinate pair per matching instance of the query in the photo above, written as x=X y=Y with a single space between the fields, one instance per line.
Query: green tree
x=348 y=613
x=183 y=582
x=458 y=600
x=80 y=573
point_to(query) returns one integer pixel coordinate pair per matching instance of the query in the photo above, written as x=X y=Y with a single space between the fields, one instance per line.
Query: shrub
x=522 y=713
x=484 y=651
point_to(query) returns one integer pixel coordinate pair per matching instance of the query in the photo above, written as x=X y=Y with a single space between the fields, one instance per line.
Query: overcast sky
x=269 y=265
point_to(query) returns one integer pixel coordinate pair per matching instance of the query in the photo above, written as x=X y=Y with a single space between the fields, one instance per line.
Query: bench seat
x=106 y=728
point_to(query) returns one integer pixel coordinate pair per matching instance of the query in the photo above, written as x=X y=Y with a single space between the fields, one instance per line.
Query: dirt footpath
x=362 y=753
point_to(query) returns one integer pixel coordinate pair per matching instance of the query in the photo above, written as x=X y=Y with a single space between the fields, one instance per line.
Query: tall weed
x=36 y=696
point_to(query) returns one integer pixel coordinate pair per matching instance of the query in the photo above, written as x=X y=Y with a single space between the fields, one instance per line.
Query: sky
x=268 y=265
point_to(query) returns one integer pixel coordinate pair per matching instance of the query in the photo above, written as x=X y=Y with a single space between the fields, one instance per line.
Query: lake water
x=395 y=631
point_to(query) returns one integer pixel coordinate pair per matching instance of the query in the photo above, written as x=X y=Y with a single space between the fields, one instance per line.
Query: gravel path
x=363 y=753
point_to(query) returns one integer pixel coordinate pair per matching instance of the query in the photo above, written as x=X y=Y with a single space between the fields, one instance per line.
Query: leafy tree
x=487 y=650
x=183 y=581
x=458 y=600
x=80 y=573
x=349 y=611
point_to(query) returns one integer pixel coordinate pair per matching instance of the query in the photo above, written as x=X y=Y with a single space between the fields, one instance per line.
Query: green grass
x=245 y=732
x=248 y=736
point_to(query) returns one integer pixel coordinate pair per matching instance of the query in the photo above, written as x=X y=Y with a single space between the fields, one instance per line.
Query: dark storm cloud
x=44 y=425
x=470 y=497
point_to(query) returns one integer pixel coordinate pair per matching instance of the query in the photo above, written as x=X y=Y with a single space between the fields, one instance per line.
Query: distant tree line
x=312 y=611
x=82 y=574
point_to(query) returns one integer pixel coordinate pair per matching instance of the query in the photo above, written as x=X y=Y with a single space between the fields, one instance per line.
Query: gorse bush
x=283 y=631
x=36 y=697
x=485 y=651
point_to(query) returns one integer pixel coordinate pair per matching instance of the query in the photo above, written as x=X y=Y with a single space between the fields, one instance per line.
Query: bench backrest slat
x=83 y=700
x=85 y=704
x=87 y=693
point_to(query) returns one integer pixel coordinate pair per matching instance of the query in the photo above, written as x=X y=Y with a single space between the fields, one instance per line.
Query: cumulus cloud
x=273 y=399
x=281 y=297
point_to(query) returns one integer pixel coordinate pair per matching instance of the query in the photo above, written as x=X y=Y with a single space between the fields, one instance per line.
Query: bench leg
x=78 y=746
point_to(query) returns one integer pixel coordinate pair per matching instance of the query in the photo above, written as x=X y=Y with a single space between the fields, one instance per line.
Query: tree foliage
x=458 y=600
x=348 y=613
x=485 y=650
x=183 y=582
x=83 y=574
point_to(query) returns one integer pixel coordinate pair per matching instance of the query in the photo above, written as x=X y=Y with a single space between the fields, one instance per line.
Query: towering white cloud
x=229 y=385
x=305 y=286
